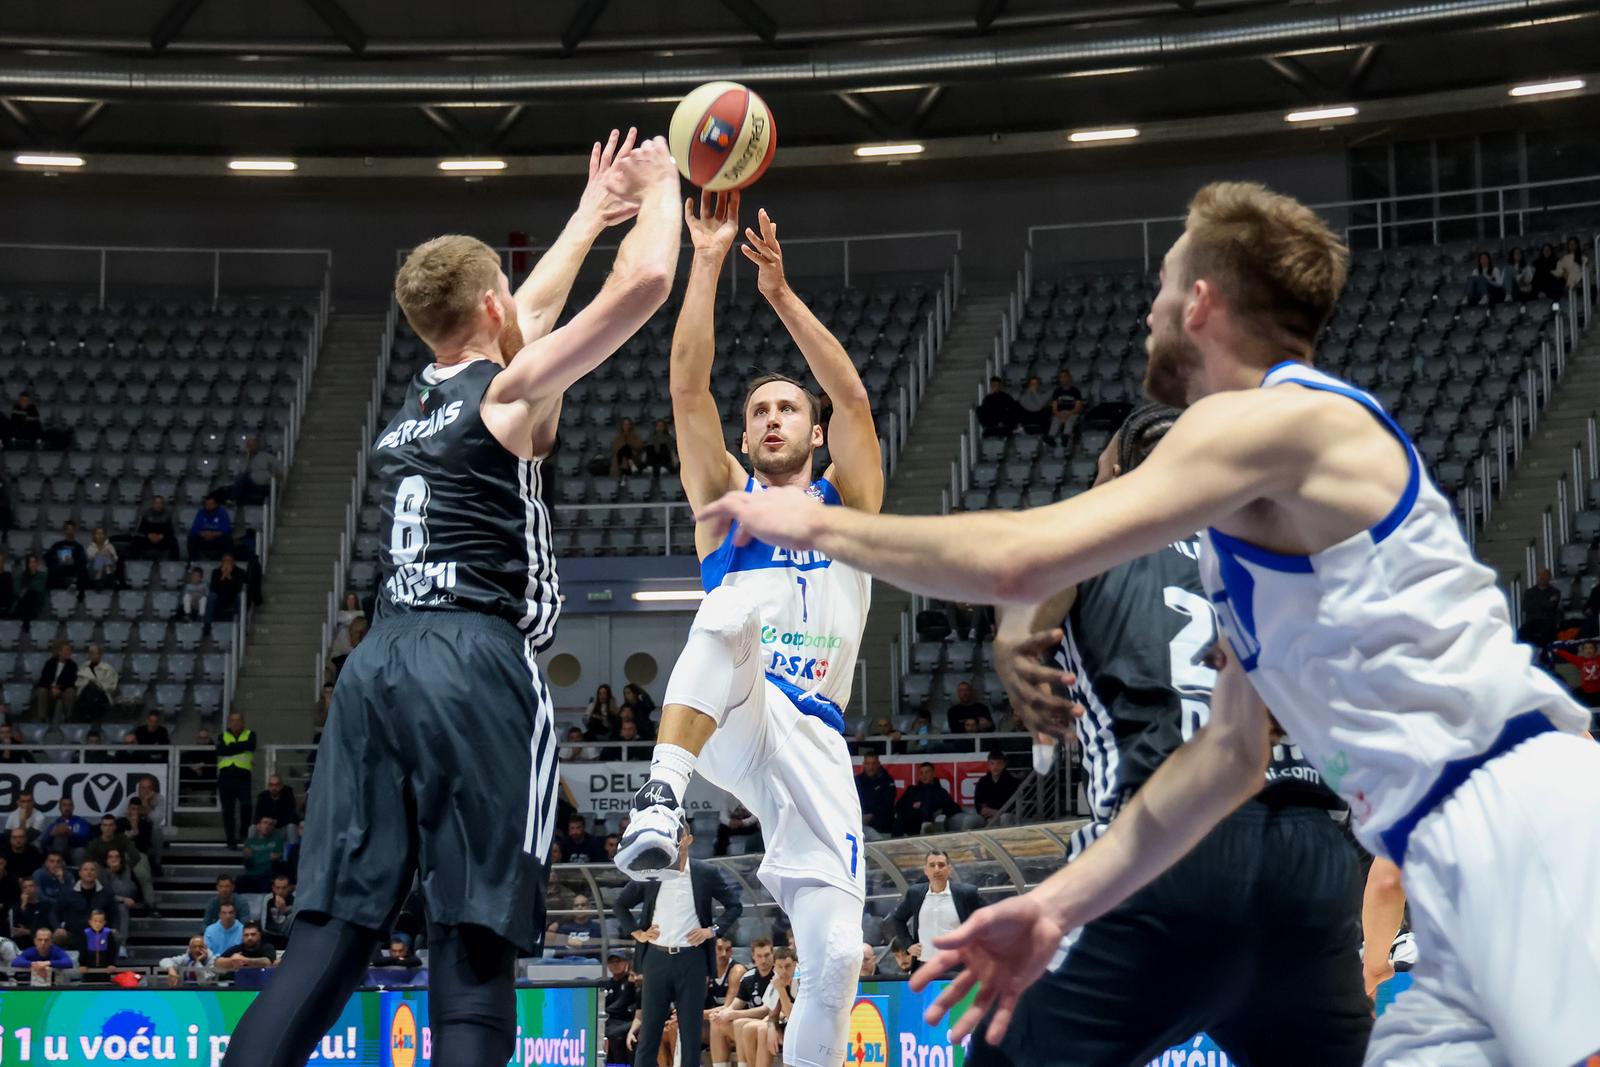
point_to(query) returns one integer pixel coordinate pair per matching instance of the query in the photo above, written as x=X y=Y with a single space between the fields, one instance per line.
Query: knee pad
x=724 y=635
x=838 y=972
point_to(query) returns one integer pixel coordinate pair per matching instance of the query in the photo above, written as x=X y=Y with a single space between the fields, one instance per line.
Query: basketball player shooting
x=439 y=757
x=756 y=700
x=1354 y=608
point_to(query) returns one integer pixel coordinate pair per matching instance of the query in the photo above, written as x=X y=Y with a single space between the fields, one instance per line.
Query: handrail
x=216 y=254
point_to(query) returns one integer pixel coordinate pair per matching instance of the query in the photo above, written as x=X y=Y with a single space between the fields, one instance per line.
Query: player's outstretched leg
x=472 y=971
x=716 y=671
x=827 y=939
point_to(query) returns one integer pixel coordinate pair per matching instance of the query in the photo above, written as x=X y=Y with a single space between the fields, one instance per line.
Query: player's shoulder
x=1275 y=422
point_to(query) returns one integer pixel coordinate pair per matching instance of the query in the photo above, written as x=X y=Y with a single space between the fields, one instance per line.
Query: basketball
x=722 y=136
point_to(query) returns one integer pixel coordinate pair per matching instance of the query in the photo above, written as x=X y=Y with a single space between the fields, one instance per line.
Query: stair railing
x=1530 y=562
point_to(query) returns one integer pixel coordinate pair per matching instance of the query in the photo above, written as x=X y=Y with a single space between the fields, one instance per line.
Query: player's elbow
x=650 y=283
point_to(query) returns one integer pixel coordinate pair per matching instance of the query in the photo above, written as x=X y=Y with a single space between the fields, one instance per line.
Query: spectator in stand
x=921 y=728
x=922 y=803
x=875 y=786
x=661 y=449
x=1546 y=282
x=628 y=733
x=70 y=832
x=1587 y=660
x=124 y=889
x=100 y=561
x=33 y=591
x=999 y=413
x=153 y=808
x=226 y=932
x=133 y=752
x=601 y=719
x=1569 y=268
x=1541 y=610
x=8 y=588
x=575 y=749
x=1037 y=409
x=968 y=708
x=263 y=850
x=30 y=911
x=211 y=533
x=349 y=612
x=580 y=846
x=153 y=732
x=1486 y=284
x=76 y=902
x=236 y=759
x=27 y=817
x=65 y=559
x=578 y=930
x=994 y=788
x=252 y=951
x=144 y=834
x=227 y=584
x=9 y=754
x=277 y=911
x=397 y=955
x=96 y=685
x=627 y=451
x=226 y=896
x=155 y=537
x=22 y=856
x=934 y=908
x=194 y=967
x=98 y=944
x=112 y=837
x=1519 y=275
x=46 y=961
x=736 y=820
x=26 y=428
x=256 y=471
x=276 y=802
x=56 y=692
x=355 y=633
x=869 y=961
x=643 y=705
x=194 y=598
x=613 y=842
x=1066 y=404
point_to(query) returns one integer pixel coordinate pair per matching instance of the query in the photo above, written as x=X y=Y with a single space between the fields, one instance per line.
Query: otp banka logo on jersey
x=801 y=667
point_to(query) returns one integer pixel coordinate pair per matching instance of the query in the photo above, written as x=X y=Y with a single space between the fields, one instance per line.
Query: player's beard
x=510 y=339
x=794 y=456
x=1174 y=362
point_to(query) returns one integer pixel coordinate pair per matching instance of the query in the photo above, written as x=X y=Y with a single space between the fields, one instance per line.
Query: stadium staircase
x=924 y=468
x=1547 y=455
x=275 y=684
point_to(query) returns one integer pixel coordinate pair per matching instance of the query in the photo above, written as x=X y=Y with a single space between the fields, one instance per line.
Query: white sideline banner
x=607 y=788
x=96 y=789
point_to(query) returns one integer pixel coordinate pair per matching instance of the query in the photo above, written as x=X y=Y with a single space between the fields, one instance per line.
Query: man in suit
x=677 y=940
x=934 y=908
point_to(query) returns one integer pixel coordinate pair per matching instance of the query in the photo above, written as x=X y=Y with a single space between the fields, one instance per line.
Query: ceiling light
x=1540 y=88
x=1088 y=136
x=262 y=165
x=1320 y=114
x=472 y=164
x=868 y=151
x=30 y=159
x=1103 y=72
x=668 y=596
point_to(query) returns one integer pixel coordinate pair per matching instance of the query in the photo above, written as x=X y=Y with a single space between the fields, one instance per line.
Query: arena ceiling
x=195 y=80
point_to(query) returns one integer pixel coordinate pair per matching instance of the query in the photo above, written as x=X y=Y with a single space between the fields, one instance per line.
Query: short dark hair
x=252 y=925
x=922 y=765
x=224 y=878
x=868 y=750
x=1143 y=429
x=932 y=852
x=996 y=754
x=770 y=377
x=782 y=954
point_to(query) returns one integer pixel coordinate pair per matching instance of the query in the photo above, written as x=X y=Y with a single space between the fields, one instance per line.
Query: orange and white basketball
x=722 y=136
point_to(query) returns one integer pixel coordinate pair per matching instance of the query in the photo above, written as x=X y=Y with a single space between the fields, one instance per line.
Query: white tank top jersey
x=1390 y=656
x=812 y=609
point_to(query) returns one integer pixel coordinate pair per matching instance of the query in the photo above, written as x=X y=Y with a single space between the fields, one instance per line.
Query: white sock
x=720 y=1063
x=674 y=765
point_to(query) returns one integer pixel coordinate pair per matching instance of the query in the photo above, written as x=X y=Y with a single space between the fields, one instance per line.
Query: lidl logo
x=717 y=133
x=403 y=1037
x=869 y=1038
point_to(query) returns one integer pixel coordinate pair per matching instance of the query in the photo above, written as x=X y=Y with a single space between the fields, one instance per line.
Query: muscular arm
x=705 y=466
x=1197 y=787
x=1226 y=451
x=640 y=281
x=857 y=463
x=1383 y=909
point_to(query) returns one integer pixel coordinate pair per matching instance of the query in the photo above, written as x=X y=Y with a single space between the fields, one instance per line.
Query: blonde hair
x=441 y=283
x=1274 y=259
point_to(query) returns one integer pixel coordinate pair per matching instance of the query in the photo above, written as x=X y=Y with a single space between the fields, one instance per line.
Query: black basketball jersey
x=466 y=528
x=753 y=986
x=717 y=987
x=1135 y=638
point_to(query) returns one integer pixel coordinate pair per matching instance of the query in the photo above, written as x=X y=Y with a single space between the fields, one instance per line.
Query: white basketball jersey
x=812 y=609
x=1389 y=656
